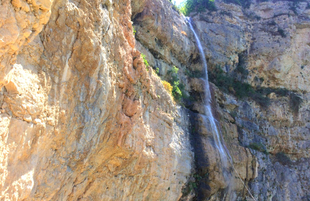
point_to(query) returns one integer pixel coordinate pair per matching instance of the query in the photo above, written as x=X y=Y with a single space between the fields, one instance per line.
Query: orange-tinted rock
x=78 y=117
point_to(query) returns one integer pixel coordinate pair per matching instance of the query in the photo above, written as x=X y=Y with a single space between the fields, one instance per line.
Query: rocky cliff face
x=81 y=115
x=84 y=117
x=258 y=57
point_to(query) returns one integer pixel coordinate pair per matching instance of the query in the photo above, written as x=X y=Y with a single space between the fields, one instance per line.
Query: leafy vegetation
x=233 y=85
x=258 y=147
x=194 y=183
x=145 y=61
x=229 y=84
x=194 y=74
x=133 y=30
x=294 y=98
x=173 y=85
x=174 y=7
x=157 y=71
x=167 y=86
x=201 y=5
x=241 y=67
x=174 y=71
x=197 y=6
x=176 y=92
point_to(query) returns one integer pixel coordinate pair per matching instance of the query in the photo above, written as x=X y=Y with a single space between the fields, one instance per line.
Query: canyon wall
x=82 y=117
x=85 y=117
x=259 y=62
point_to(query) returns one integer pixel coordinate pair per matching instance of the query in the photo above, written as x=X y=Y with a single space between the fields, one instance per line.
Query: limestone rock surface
x=20 y=22
x=265 y=46
x=81 y=115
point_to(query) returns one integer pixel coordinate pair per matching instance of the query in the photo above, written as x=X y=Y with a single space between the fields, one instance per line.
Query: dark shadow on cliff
x=199 y=180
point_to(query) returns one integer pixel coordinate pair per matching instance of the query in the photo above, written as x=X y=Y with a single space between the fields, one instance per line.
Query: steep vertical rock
x=258 y=59
x=20 y=22
x=82 y=116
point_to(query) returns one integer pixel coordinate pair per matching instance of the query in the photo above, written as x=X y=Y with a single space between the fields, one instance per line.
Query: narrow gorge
x=116 y=100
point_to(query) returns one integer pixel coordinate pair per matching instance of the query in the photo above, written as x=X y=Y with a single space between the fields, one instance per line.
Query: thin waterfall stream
x=207 y=102
x=209 y=119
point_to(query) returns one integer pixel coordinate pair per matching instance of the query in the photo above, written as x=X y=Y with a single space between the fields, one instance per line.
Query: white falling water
x=208 y=111
x=214 y=129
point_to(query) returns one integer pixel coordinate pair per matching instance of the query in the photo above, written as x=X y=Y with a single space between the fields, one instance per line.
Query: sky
x=177 y=2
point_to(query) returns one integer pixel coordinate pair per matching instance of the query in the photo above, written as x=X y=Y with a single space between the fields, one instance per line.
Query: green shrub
x=197 y=6
x=193 y=182
x=278 y=91
x=174 y=7
x=176 y=92
x=241 y=67
x=201 y=5
x=145 y=61
x=229 y=84
x=194 y=74
x=261 y=99
x=134 y=31
x=242 y=70
x=157 y=71
x=173 y=85
x=174 y=70
x=281 y=91
x=243 y=89
x=258 y=147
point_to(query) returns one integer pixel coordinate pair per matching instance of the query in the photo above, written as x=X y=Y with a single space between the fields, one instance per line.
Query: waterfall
x=209 y=118
x=207 y=104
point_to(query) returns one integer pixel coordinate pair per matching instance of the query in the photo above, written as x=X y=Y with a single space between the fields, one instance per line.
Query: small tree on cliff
x=197 y=5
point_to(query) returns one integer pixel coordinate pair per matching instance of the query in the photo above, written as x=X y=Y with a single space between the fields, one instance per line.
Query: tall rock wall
x=258 y=60
x=84 y=117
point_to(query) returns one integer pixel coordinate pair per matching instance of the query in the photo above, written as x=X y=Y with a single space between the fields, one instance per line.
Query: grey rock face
x=271 y=39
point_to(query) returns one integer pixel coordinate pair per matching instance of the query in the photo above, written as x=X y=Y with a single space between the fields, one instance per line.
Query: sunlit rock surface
x=83 y=118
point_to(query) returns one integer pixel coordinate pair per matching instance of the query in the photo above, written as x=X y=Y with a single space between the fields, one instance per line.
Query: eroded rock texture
x=81 y=116
x=20 y=22
x=265 y=46
x=167 y=41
